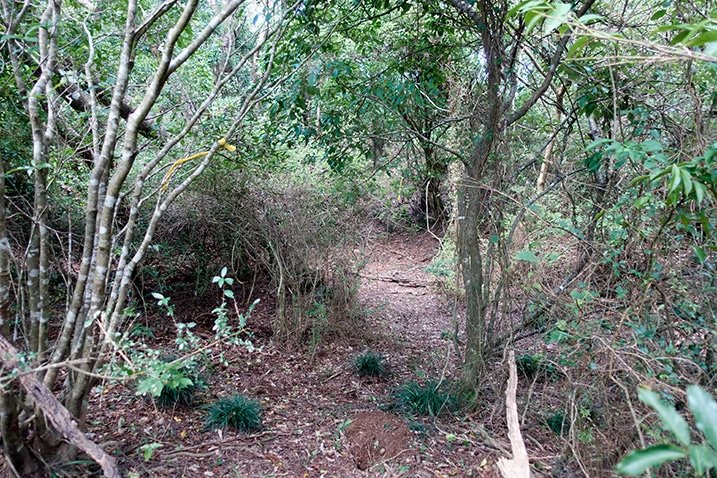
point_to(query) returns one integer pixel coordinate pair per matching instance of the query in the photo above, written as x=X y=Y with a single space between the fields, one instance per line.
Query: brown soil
x=320 y=419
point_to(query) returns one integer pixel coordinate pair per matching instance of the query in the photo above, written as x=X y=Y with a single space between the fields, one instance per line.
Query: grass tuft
x=429 y=399
x=536 y=366
x=558 y=423
x=238 y=412
x=180 y=395
x=369 y=364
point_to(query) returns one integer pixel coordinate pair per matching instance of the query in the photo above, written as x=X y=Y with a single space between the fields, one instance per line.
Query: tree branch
x=58 y=415
x=552 y=68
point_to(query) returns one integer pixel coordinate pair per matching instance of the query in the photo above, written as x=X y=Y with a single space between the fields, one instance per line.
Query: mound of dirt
x=377 y=436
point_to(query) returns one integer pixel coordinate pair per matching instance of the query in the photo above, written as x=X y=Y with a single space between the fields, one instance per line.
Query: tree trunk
x=431 y=199
x=548 y=153
x=471 y=262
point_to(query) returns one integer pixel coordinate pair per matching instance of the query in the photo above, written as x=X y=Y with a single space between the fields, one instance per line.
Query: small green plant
x=238 y=412
x=148 y=450
x=168 y=382
x=369 y=364
x=558 y=423
x=703 y=457
x=536 y=366
x=429 y=399
x=177 y=390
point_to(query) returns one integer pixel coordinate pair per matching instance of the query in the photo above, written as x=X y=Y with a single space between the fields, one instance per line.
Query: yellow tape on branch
x=165 y=182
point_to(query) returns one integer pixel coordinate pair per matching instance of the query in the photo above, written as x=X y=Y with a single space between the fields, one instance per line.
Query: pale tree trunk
x=95 y=313
x=548 y=153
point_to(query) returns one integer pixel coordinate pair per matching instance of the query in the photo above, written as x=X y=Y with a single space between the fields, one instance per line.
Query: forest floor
x=320 y=418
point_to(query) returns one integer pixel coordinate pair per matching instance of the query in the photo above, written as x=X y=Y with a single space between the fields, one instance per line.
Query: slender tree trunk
x=548 y=153
x=431 y=199
x=471 y=261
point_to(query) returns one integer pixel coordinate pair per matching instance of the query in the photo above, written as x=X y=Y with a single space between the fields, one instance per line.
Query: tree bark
x=483 y=170
x=53 y=410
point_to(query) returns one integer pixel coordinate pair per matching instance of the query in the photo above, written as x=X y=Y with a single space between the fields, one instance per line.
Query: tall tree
x=125 y=158
x=502 y=37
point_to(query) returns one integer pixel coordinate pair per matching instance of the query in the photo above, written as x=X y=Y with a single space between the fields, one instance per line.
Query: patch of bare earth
x=320 y=418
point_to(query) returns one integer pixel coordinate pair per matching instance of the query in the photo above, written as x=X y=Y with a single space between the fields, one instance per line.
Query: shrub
x=369 y=364
x=238 y=412
x=429 y=399
x=536 y=366
x=178 y=393
x=558 y=423
x=168 y=382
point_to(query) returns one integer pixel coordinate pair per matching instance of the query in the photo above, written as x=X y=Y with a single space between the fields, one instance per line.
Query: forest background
x=563 y=155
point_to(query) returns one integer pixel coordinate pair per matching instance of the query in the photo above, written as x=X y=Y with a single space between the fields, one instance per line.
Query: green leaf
x=709 y=36
x=686 y=181
x=151 y=385
x=704 y=409
x=700 y=191
x=676 y=179
x=639 y=179
x=700 y=253
x=532 y=19
x=590 y=17
x=579 y=44
x=658 y=14
x=311 y=80
x=598 y=142
x=527 y=256
x=702 y=458
x=651 y=146
x=640 y=202
x=527 y=6
x=680 y=37
x=673 y=421
x=148 y=450
x=557 y=17
x=229 y=293
x=640 y=460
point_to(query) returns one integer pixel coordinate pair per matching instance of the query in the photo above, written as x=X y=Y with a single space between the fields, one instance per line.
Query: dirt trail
x=320 y=419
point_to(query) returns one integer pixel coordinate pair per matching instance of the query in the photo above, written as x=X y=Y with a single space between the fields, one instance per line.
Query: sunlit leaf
x=590 y=17
x=672 y=420
x=578 y=46
x=686 y=181
x=709 y=36
x=704 y=409
x=527 y=256
x=700 y=190
x=702 y=458
x=640 y=460
x=557 y=17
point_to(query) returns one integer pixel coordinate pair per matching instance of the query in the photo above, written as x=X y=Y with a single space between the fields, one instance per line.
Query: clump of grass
x=429 y=399
x=177 y=395
x=369 y=364
x=536 y=366
x=238 y=412
x=558 y=423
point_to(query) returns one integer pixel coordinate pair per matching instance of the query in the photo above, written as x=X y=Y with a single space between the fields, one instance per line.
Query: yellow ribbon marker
x=165 y=182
